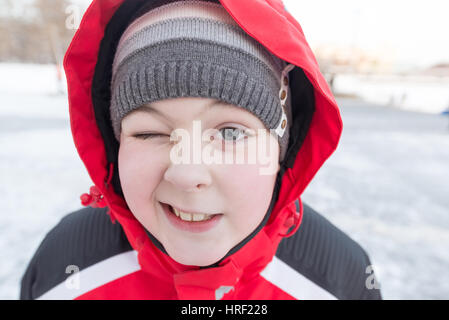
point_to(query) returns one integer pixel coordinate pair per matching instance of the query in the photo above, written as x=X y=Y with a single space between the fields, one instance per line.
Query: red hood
x=282 y=35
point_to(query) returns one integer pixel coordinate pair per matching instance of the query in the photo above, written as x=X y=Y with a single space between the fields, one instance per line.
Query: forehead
x=186 y=108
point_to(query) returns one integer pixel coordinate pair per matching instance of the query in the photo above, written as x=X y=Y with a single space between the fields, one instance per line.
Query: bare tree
x=51 y=18
x=34 y=31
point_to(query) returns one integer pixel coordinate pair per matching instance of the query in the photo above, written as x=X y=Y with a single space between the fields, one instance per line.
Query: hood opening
x=302 y=93
x=302 y=99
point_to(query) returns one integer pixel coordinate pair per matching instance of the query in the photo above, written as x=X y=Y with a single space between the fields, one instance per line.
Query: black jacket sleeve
x=80 y=239
x=331 y=259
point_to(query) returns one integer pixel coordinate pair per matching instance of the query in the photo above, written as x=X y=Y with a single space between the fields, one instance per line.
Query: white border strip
x=295 y=284
x=95 y=276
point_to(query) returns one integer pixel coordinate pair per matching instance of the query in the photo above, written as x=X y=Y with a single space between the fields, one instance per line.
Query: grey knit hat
x=195 y=48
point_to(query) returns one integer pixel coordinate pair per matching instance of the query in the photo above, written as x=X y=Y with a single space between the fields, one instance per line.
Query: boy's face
x=236 y=192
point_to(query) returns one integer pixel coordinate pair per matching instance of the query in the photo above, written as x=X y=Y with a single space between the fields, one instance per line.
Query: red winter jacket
x=120 y=261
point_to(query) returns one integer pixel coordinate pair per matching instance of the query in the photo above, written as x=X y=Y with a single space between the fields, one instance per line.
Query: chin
x=196 y=259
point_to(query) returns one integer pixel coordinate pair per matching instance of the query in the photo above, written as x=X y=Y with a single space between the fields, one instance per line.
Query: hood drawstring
x=95 y=198
x=294 y=218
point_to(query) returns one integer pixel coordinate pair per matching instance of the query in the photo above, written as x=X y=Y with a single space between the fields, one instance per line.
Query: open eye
x=233 y=134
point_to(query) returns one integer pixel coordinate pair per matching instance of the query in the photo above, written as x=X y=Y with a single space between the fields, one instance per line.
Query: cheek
x=140 y=172
x=249 y=195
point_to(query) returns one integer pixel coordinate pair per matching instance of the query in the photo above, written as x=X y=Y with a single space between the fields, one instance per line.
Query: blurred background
x=386 y=185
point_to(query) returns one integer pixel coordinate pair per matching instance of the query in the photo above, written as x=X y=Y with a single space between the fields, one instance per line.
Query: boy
x=200 y=138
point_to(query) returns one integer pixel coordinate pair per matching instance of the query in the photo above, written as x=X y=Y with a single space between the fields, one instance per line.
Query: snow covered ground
x=428 y=94
x=385 y=186
x=41 y=176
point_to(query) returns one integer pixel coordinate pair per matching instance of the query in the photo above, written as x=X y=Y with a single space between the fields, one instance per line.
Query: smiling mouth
x=189 y=217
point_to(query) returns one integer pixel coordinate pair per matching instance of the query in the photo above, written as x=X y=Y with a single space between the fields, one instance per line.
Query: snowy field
x=427 y=94
x=385 y=186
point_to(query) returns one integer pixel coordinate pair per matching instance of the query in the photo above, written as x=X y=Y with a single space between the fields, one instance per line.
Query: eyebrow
x=147 y=108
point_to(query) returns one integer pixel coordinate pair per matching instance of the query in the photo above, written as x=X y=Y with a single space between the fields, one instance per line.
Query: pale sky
x=413 y=32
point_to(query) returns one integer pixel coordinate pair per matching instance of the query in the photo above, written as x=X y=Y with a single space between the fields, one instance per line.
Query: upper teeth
x=191 y=216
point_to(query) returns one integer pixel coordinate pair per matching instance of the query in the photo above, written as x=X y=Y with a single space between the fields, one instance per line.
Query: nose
x=188 y=177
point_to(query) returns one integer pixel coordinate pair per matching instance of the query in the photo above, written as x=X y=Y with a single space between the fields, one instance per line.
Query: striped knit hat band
x=195 y=48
